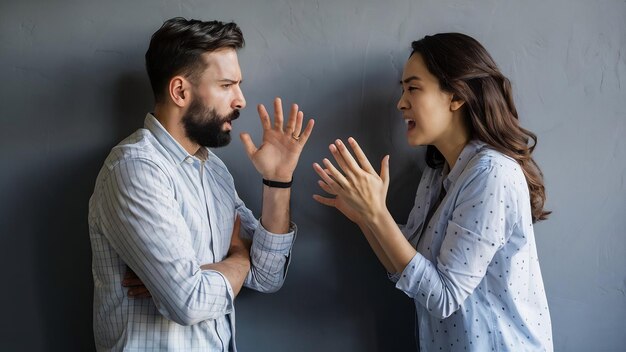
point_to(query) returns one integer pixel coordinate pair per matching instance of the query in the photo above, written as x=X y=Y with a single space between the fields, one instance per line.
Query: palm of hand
x=278 y=155
x=359 y=191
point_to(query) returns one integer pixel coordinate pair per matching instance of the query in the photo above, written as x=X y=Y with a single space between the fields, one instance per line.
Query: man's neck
x=171 y=120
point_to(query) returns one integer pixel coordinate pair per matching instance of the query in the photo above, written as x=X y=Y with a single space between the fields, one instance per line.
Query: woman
x=467 y=255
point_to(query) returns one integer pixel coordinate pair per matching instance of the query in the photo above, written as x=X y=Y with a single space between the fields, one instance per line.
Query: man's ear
x=179 y=91
x=456 y=103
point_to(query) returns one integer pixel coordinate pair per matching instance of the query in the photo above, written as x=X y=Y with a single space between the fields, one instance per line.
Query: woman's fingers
x=343 y=164
x=384 y=170
x=326 y=176
x=350 y=164
x=332 y=171
x=324 y=200
x=326 y=187
x=360 y=156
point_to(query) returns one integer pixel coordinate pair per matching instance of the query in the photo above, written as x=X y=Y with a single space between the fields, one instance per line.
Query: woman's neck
x=452 y=148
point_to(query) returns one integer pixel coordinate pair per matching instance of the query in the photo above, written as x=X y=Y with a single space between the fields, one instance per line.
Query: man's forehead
x=223 y=62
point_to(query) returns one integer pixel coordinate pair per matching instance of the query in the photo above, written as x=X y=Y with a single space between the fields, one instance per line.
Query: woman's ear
x=179 y=91
x=456 y=103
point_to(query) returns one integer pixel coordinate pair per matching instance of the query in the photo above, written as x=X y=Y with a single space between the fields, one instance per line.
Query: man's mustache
x=233 y=115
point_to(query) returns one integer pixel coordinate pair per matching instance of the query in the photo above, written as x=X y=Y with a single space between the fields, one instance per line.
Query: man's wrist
x=277 y=184
x=278 y=177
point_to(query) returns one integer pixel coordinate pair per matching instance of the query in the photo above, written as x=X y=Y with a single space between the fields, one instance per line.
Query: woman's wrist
x=377 y=219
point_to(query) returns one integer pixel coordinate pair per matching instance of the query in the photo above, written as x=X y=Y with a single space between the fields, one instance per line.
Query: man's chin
x=221 y=141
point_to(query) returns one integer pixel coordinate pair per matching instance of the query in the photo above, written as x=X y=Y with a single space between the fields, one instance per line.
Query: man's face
x=204 y=126
x=216 y=100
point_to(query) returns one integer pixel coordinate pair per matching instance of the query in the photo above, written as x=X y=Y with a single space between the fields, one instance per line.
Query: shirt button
x=189 y=160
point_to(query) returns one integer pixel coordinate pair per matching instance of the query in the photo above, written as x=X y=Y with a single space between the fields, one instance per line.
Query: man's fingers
x=139 y=292
x=132 y=282
x=291 y=121
x=307 y=131
x=264 y=116
x=129 y=274
x=248 y=144
x=298 y=127
x=278 y=114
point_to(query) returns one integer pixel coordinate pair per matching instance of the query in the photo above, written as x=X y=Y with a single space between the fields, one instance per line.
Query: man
x=165 y=207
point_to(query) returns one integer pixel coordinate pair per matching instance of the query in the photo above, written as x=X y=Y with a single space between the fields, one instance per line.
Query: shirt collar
x=469 y=151
x=178 y=153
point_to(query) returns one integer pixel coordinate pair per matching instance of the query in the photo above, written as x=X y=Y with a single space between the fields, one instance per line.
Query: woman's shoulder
x=489 y=162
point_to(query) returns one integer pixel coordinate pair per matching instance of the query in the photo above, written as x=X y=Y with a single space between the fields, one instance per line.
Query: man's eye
x=413 y=88
x=226 y=85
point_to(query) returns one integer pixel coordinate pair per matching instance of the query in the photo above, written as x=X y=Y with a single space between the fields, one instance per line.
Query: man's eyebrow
x=228 y=80
x=409 y=79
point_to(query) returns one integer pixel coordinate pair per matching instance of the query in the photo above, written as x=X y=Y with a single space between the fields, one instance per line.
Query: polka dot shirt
x=476 y=280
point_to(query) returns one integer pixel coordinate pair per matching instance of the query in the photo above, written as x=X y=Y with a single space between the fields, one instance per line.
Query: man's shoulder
x=139 y=146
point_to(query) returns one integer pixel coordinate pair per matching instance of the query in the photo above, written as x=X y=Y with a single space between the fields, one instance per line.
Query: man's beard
x=203 y=125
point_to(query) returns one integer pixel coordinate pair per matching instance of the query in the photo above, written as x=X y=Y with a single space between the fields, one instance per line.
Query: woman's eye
x=413 y=88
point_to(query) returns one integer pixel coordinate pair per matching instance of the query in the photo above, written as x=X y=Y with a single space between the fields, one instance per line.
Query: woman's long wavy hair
x=465 y=68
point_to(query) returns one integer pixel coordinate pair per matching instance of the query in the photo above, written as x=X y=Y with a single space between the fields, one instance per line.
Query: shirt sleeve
x=270 y=253
x=142 y=221
x=481 y=221
x=394 y=277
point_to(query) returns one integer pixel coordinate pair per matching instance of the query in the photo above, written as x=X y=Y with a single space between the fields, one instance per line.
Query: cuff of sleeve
x=230 y=295
x=276 y=243
x=410 y=278
x=394 y=277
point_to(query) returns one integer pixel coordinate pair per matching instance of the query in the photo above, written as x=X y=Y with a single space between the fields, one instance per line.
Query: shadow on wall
x=60 y=233
x=334 y=273
x=337 y=296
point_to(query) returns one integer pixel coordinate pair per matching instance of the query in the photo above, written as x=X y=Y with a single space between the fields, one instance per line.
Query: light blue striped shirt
x=164 y=213
x=475 y=280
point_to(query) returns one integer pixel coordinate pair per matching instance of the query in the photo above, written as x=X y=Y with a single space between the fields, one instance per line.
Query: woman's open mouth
x=409 y=123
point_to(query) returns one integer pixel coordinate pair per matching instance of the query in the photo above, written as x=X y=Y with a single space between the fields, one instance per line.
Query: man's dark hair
x=177 y=48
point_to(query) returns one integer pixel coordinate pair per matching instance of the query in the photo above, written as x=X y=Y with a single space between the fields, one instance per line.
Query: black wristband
x=277 y=184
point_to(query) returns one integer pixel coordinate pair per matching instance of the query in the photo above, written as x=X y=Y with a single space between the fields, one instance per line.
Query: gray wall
x=72 y=84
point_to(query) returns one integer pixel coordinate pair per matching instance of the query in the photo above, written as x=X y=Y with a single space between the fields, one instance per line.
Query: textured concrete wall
x=73 y=85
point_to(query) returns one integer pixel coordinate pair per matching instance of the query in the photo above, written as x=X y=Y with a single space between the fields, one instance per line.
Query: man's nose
x=240 y=101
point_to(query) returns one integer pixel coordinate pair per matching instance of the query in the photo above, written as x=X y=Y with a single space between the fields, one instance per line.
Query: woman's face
x=430 y=114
